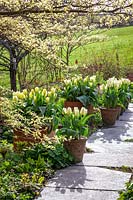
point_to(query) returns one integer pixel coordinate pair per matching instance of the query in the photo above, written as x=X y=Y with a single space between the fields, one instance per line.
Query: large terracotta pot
x=109 y=116
x=21 y=136
x=78 y=104
x=76 y=148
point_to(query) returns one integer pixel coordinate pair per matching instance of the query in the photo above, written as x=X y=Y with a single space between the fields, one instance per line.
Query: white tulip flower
x=76 y=111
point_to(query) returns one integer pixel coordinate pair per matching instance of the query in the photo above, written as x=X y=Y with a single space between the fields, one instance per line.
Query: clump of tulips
x=74 y=123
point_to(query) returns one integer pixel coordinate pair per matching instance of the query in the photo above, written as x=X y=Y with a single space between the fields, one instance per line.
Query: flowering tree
x=73 y=41
x=32 y=24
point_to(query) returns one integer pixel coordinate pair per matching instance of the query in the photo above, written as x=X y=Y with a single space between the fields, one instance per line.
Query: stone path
x=91 y=179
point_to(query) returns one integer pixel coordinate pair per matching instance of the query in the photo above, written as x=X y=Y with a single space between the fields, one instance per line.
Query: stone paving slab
x=123 y=148
x=130 y=105
x=123 y=124
x=129 y=110
x=89 y=178
x=126 y=117
x=110 y=135
x=107 y=159
x=76 y=194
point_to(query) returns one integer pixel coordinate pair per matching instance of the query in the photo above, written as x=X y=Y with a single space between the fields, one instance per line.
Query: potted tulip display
x=74 y=127
x=79 y=92
x=31 y=114
x=27 y=125
x=42 y=102
x=110 y=101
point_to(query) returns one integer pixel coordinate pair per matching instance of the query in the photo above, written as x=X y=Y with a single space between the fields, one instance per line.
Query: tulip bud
x=44 y=92
x=31 y=94
x=76 y=111
x=64 y=110
x=35 y=99
x=25 y=92
x=53 y=90
x=47 y=99
x=15 y=98
x=36 y=89
x=32 y=90
x=69 y=111
x=83 y=111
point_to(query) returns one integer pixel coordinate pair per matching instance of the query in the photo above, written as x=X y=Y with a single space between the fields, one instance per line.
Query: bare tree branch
x=74 y=8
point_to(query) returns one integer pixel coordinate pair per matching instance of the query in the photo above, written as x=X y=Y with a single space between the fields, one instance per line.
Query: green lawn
x=120 y=40
x=5 y=79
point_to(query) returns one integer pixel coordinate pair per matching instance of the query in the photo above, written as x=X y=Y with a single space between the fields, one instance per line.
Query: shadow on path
x=111 y=135
x=73 y=178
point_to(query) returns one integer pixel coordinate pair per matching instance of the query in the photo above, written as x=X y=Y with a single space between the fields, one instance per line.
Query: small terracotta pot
x=109 y=116
x=78 y=104
x=76 y=148
x=90 y=109
x=73 y=104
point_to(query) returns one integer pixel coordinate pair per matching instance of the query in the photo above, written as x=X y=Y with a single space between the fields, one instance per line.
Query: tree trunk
x=67 y=55
x=13 y=81
x=67 y=58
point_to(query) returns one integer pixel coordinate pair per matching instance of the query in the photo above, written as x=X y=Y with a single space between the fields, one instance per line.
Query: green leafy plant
x=19 y=117
x=5 y=92
x=6 y=133
x=128 y=193
x=52 y=152
x=5 y=147
x=23 y=174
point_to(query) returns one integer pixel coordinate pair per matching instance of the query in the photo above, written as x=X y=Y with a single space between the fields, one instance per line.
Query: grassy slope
x=4 y=79
x=120 y=40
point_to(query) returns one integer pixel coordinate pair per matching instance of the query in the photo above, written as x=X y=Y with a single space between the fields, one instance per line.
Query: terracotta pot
x=130 y=76
x=20 y=136
x=76 y=148
x=73 y=104
x=109 y=116
x=90 y=109
x=78 y=104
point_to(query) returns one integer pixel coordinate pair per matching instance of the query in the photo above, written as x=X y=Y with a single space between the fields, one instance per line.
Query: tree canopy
x=43 y=25
x=29 y=22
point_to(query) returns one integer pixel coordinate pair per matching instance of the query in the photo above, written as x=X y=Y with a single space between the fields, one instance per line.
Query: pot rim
x=104 y=108
x=73 y=139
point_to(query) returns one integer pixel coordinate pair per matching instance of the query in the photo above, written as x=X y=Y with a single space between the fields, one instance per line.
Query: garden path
x=93 y=179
